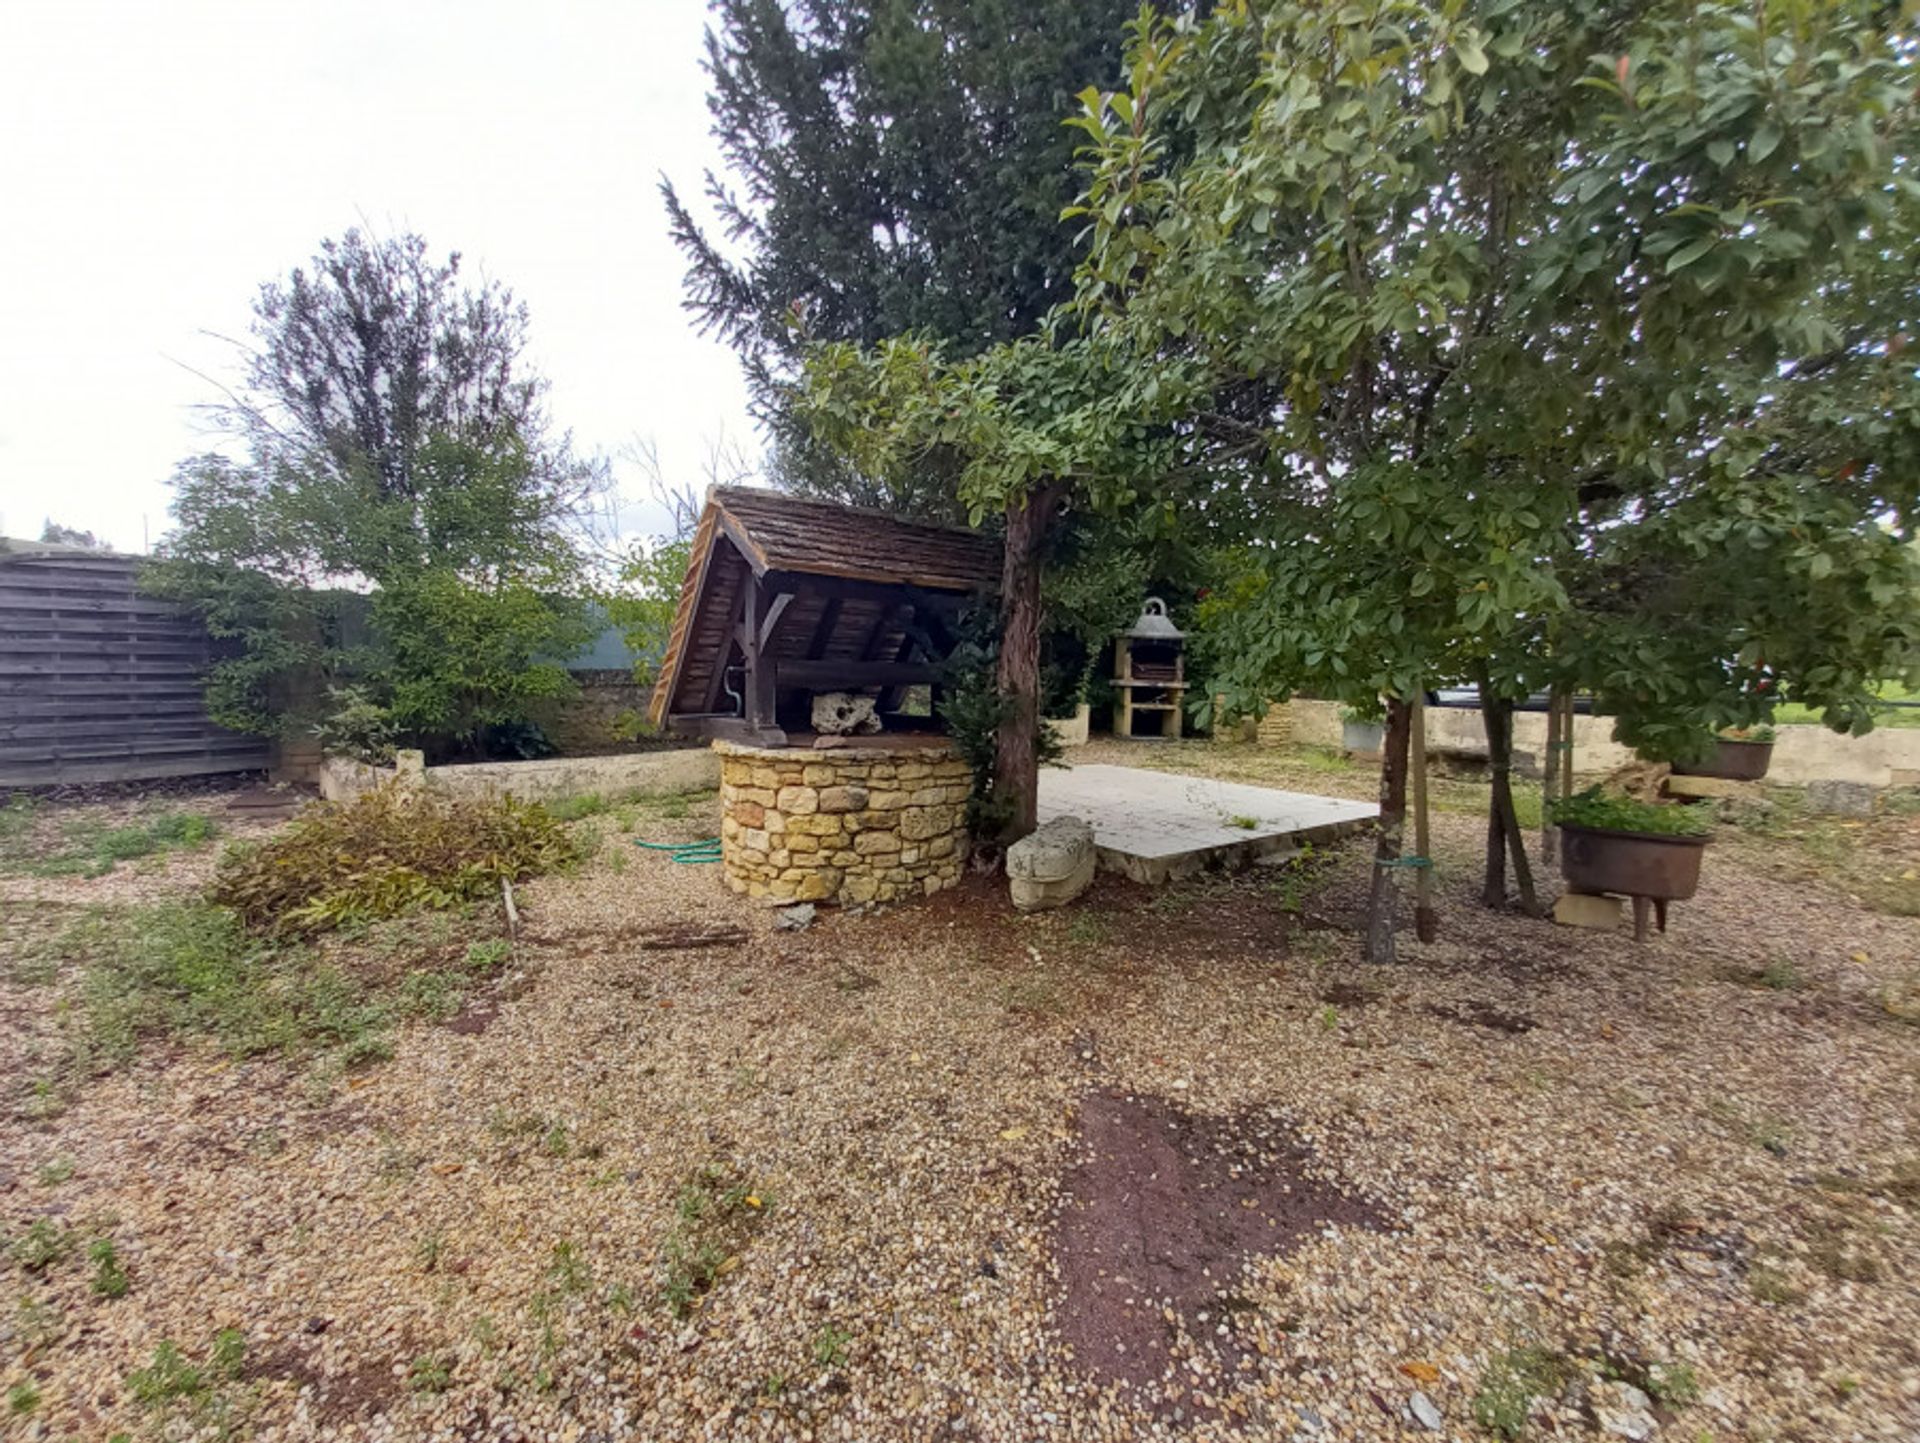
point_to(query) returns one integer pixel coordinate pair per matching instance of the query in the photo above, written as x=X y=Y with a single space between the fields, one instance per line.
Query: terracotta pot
x=1634 y=864
x=1733 y=761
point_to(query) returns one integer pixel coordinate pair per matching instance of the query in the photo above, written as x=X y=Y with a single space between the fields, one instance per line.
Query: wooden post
x=1557 y=740
x=1426 y=921
x=759 y=696
x=1123 y=674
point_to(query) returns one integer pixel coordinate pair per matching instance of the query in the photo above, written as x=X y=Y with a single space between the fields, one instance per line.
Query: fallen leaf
x=1421 y=1372
x=753 y=1200
x=1013 y=1134
x=447 y=1169
x=1861 y=957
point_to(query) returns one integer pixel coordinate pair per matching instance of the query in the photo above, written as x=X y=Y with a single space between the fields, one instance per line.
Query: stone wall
x=1885 y=757
x=589 y=719
x=685 y=769
x=848 y=825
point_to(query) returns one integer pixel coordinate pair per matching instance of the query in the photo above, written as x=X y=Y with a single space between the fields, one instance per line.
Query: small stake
x=1426 y=920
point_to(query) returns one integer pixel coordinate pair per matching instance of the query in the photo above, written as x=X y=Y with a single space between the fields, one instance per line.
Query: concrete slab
x=1156 y=826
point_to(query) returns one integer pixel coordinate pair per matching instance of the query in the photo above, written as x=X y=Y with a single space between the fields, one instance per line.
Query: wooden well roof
x=832 y=586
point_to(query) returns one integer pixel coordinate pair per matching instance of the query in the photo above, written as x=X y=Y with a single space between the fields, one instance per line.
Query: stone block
x=748 y=814
x=820 y=824
x=817 y=886
x=940 y=846
x=773 y=822
x=761 y=796
x=859 y=889
x=887 y=801
x=767 y=778
x=799 y=801
x=843 y=799
x=845 y=859
x=802 y=842
x=755 y=839
x=780 y=860
x=1582 y=909
x=869 y=844
x=1051 y=866
x=819 y=774
x=917 y=824
x=1840 y=799
x=929 y=797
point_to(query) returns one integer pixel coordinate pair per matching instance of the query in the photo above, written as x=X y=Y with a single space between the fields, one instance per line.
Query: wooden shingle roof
x=780 y=532
x=849 y=586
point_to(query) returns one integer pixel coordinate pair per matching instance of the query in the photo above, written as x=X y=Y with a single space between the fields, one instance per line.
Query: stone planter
x=862 y=823
x=1363 y=738
x=1733 y=761
x=1633 y=864
x=1071 y=731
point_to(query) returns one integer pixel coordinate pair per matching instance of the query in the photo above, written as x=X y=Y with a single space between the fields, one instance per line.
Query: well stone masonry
x=860 y=823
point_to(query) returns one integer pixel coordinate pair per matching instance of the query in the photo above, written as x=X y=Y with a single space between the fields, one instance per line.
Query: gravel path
x=1565 y=1147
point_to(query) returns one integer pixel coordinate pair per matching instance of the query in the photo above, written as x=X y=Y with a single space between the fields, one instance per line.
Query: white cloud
x=162 y=161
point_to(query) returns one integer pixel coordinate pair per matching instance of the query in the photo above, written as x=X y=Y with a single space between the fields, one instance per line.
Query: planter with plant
x=1741 y=755
x=1611 y=843
x=1362 y=730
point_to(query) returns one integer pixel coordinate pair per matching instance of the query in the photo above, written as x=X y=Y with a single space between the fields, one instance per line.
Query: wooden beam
x=823 y=628
x=760 y=677
x=774 y=613
x=853 y=590
x=821 y=675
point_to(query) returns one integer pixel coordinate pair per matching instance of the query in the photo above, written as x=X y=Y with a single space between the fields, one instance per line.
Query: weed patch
x=1511 y=1383
x=715 y=1216
x=87 y=847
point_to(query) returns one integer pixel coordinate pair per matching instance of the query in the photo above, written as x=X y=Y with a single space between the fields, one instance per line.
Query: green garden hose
x=686 y=853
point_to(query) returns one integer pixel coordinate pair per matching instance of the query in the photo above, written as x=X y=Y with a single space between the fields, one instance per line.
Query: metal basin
x=1634 y=864
x=1732 y=761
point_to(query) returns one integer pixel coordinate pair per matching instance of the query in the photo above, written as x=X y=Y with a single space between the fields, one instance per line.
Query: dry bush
x=386 y=852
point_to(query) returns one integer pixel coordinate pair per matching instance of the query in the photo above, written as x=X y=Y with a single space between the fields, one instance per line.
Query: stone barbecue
x=878 y=819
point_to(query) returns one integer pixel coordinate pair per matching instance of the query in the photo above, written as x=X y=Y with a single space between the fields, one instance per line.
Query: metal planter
x=1733 y=761
x=1632 y=864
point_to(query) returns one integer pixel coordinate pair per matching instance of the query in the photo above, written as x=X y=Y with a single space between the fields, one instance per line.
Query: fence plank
x=101 y=683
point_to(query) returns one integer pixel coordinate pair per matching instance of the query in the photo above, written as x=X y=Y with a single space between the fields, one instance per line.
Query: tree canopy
x=895 y=166
x=1532 y=345
x=395 y=443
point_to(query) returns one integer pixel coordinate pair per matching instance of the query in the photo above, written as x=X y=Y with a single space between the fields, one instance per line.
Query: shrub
x=1608 y=812
x=388 y=851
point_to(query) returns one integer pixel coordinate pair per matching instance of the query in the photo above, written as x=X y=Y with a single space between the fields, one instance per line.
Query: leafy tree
x=395 y=444
x=53 y=533
x=1031 y=429
x=897 y=166
x=1554 y=303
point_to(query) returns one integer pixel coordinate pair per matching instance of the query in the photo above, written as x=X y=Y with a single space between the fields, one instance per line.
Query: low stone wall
x=848 y=825
x=690 y=769
x=589 y=719
x=1886 y=757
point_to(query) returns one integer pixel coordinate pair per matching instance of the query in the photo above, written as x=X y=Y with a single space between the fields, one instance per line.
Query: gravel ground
x=1525 y=1148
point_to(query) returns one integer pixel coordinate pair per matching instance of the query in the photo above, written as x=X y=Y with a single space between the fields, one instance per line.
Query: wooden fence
x=99 y=683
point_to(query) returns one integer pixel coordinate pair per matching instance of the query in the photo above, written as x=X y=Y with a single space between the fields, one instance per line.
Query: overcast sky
x=159 y=161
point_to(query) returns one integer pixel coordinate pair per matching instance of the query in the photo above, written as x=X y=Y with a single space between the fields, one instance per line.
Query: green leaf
x=1689 y=253
x=1765 y=141
x=1472 y=58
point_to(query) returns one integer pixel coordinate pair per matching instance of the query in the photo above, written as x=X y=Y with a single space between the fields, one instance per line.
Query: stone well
x=874 y=821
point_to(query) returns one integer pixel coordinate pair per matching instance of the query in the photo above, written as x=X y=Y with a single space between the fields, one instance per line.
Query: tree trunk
x=1496 y=716
x=1504 y=835
x=1383 y=902
x=1016 y=766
